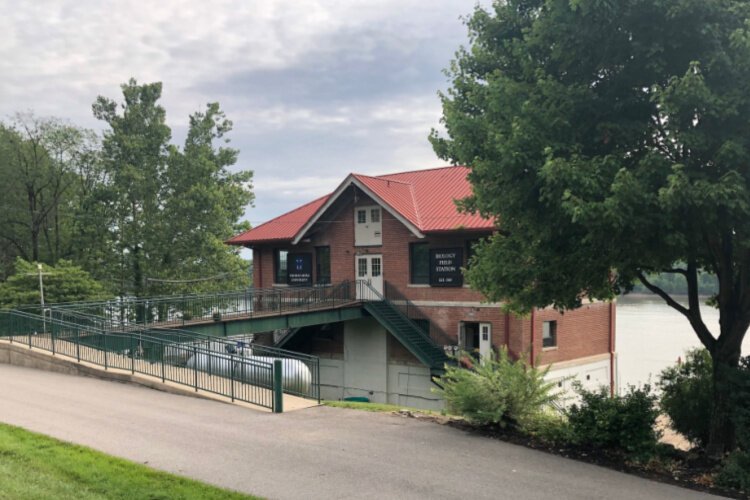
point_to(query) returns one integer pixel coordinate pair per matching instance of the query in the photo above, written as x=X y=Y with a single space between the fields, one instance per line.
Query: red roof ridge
x=444 y=167
x=416 y=206
x=380 y=178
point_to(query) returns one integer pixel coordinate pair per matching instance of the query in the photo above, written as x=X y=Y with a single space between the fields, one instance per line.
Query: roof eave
x=352 y=179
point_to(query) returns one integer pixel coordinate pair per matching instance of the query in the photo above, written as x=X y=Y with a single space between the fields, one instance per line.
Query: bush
x=687 y=395
x=736 y=470
x=550 y=427
x=623 y=424
x=740 y=379
x=497 y=391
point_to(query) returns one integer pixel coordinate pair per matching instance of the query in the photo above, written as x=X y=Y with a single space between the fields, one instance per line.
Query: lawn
x=33 y=466
x=377 y=407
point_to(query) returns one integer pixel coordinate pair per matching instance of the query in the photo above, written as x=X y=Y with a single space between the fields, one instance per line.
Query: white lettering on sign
x=445 y=255
x=448 y=269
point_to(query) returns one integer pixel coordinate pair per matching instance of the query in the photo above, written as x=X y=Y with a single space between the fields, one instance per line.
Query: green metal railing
x=144 y=333
x=409 y=333
x=294 y=383
x=414 y=313
x=179 y=310
x=167 y=357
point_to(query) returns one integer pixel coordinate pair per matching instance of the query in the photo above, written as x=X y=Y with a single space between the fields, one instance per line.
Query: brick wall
x=580 y=333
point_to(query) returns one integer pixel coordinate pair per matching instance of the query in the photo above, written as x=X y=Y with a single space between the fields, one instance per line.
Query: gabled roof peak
x=421 y=199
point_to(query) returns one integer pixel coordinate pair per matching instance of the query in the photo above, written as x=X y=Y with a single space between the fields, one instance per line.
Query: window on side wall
x=419 y=264
x=549 y=334
x=323 y=265
x=280 y=266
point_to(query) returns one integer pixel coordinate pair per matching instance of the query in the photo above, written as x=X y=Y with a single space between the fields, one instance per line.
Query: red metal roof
x=282 y=228
x=425 y=198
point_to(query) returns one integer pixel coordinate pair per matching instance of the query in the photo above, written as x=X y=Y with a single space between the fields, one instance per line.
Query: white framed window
x=549 y=334
x=361 y=216
x=375 y=215
x=361 y=267
x=375 y=267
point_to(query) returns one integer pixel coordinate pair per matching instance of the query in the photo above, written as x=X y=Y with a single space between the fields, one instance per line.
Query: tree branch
x=696 y=321
x=676 y=270
x=664 y=295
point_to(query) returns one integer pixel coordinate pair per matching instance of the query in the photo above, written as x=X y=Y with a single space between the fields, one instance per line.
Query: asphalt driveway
x=315 y=453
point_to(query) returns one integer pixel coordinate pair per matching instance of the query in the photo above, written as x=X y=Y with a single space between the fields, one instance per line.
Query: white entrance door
x=485 y=340
x=369 y=268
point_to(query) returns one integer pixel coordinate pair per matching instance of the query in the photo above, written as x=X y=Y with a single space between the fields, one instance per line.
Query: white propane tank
x=295 y=375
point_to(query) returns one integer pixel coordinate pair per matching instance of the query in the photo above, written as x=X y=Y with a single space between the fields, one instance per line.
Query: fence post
x=231 y=375
x=132 y=355
x=163 y=376
x=317 y=369
x=278 y=390
x=52 y=335
x=105 y=351
x=78 y=345
x=195 y=366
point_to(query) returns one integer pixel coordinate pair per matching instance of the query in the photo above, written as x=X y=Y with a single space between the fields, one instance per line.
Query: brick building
x=402 y=234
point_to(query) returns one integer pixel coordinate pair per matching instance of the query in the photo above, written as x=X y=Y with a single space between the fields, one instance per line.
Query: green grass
x=33 y=466
x=377 y=407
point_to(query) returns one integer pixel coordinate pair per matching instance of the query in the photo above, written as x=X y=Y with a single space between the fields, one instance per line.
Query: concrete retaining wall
x=20 y=355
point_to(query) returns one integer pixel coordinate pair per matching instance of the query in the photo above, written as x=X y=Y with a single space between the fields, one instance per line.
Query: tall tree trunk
x=725 y=356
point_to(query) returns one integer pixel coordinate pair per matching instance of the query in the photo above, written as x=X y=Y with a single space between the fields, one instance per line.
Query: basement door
x=369 y=268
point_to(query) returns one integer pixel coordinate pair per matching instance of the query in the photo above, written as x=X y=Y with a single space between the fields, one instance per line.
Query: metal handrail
x=234 y=376
x=183 y=309
x=367 y=293
x=222 y=345
x=411 y=310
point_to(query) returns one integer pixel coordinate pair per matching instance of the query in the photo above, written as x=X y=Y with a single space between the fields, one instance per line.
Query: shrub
x=740 y=379
x=623 y=424
x=550 y=427
x=687 y=395
x=497 y=391
x=736 y=470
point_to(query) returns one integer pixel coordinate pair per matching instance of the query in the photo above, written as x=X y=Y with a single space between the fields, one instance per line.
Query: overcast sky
x=316 y=88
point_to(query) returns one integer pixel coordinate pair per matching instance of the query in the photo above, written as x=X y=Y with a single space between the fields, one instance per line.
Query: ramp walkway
x=141 y=335
x=259 y=376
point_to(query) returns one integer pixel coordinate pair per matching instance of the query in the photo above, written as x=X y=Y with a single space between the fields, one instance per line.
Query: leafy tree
x=38 y=161
x=134 y=155
x=202 y=205
x=610 y=140
x=170 y=210
x=63 y=282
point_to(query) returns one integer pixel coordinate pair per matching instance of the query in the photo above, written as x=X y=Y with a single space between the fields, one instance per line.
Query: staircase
x=409 y=334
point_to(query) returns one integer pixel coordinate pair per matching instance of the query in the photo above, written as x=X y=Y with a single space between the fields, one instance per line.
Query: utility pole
x=41 y=286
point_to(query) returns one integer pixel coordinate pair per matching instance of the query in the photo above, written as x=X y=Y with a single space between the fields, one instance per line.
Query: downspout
x=507 y=331
x=612 y=348
x=531 y=350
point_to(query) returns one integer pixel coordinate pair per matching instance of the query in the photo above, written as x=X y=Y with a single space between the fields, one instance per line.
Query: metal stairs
x=409 y=334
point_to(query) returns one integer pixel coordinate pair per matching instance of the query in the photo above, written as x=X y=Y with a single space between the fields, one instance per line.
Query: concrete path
x=314 y=453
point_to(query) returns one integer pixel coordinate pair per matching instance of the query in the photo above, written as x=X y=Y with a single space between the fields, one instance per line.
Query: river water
x=651 y=336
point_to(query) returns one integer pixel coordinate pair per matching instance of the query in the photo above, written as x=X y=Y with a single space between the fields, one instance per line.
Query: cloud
x=316 y=88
